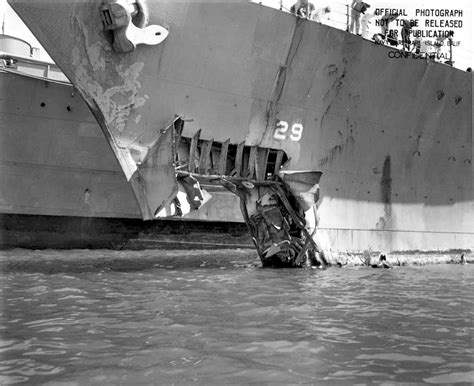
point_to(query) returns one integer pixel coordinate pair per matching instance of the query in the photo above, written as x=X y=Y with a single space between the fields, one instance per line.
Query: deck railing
x=340 y=17
x=31 y=67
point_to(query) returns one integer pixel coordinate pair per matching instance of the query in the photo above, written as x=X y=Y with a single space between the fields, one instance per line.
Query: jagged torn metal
x=117 y=109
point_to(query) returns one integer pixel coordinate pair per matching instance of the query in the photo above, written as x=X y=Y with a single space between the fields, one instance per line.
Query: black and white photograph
x=215 y=192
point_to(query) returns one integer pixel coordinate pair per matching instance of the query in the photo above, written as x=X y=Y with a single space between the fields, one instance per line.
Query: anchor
x=117 y=16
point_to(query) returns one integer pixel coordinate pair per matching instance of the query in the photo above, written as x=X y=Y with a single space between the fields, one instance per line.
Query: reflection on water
x=215 y=317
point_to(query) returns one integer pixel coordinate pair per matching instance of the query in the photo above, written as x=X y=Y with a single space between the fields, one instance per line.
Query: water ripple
x=157 y=316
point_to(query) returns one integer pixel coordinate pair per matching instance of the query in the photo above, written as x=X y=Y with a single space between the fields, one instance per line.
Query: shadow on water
x=84 y=260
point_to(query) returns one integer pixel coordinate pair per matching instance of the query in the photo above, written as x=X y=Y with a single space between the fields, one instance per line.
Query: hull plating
x=55 y=161
x=393 y=137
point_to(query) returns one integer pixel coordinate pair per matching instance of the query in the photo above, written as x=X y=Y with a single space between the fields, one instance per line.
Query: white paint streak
x=95 y=56
x=118 y=113
x=116 y=103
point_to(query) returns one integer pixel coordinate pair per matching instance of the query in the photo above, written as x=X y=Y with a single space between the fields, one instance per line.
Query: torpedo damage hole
x=224 y=158
x=277 y=204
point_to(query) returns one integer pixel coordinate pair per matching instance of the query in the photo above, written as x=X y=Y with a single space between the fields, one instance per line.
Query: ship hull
x=55 y=160
x=393 y=137
x=61 y=186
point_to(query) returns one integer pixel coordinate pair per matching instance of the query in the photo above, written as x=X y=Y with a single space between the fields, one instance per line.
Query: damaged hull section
x=272 y=202
x=393 y=138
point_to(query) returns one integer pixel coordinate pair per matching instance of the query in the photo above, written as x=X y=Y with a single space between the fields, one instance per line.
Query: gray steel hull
x=393 y=138
x=56 y=161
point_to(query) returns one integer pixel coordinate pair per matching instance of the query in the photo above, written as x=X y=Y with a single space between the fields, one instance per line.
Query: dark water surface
x=104 y=317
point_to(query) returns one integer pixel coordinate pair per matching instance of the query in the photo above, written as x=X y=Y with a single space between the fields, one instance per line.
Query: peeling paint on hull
x=354 y=112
